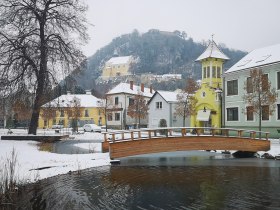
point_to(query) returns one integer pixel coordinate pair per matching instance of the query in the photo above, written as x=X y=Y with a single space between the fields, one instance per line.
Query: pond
x=179 y=180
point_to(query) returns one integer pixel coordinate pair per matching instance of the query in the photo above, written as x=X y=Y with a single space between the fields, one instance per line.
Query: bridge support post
x=240 y=132
x=149 y=134
x=105 y=144
x=183 y=131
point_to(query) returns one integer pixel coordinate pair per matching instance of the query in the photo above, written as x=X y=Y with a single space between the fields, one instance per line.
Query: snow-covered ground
x=29 y=157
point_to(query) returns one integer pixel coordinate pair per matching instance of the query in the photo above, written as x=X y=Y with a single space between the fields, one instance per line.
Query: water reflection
x=194 y=181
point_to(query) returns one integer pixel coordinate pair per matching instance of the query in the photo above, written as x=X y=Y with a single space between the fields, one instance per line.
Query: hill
x=158 y=52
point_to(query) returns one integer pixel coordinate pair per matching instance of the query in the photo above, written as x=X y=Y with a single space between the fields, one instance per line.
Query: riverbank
x=33 y=164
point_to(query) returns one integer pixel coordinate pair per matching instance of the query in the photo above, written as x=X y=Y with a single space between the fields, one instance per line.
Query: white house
x=120 y=97
x=162 y=106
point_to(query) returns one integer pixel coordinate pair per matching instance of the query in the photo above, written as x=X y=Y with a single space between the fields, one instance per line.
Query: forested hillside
x=158 y=52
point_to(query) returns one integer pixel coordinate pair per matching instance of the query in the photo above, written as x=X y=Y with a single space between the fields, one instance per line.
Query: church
x=208 y=112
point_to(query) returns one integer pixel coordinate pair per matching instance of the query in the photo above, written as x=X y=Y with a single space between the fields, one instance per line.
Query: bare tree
x=107 y=107
x=186 y=100
x=48 y=112
x=74 y=112
x=39 y=42
x=259 y=96
x=3 y=111
x=21 y=110
x=139 y=108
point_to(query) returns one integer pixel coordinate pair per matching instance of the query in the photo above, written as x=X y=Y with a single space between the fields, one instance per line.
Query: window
x=208 y=71
x=249 y=85
x=54 y=122
x=116 y=100
x=61 y=122
x=159 y=105
x=232 y=114
x=264 y=82
x=109 y=117
x=218 y=72
x=265 y=112
x=250 y=113
x=278 y=80
x=61 y=113
x=278 y=111
x=45 y=123
x=86 y=113
x=214 y=72
x=204 y=72
x=232 y=87
x=130 y=101
x=117 y=116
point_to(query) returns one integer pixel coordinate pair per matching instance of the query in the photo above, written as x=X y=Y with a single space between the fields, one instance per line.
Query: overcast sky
x=240 y=24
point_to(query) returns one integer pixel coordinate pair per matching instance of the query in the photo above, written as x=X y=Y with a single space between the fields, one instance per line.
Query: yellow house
x=85 y=108
x=208 y=109
x=116 y=67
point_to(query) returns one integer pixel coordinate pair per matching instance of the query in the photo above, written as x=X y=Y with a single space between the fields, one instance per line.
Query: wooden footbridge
x=144 y=141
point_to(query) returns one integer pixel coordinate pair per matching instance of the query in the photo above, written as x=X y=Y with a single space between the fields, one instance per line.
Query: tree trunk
x=184 y=119
x=36 y=109
x=41 y=79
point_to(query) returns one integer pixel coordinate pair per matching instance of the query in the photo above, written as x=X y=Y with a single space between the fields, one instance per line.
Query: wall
x=156 y=114
x=237 y=101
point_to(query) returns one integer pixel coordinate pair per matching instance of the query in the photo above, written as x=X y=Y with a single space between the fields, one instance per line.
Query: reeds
x=8 y=179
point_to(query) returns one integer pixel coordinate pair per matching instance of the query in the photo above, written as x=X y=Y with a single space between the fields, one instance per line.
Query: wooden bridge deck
x=145 y=141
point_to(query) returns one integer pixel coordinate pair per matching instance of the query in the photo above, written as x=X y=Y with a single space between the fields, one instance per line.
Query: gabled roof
x=258 y=57
x=168 y=96
x=86 y=100
x=212 y=51
x=125 y=88
x=119 y=60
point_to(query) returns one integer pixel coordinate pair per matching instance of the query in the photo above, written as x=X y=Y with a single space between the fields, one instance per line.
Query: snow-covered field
x=29 y=157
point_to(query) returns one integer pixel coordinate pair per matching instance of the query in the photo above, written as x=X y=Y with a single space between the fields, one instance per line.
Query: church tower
x=208 y=108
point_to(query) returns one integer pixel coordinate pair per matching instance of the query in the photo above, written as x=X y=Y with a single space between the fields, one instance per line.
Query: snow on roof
x=125 y=88
x=119 y=60
x=212 y=51
x=168 y=96
x=86 y=100
x=258 y=57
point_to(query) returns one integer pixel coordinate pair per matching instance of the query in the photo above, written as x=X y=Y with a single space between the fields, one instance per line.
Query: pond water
x=182 y=180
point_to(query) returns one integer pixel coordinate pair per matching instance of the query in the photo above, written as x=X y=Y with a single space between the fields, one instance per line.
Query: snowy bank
x=30 y=158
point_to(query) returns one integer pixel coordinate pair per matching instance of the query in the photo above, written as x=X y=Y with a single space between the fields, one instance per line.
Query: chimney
x=68 y=92
x=151 y=89
x=131 y=85
x=88 y=92
x=142 y=87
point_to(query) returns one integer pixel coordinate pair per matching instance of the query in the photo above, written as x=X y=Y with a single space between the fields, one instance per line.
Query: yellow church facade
x=208 y=110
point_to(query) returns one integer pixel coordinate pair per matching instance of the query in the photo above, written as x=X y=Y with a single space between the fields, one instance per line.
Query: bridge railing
x=149 y=133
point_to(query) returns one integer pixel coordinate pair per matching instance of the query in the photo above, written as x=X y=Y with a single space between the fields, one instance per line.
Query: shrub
x=162 y=124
